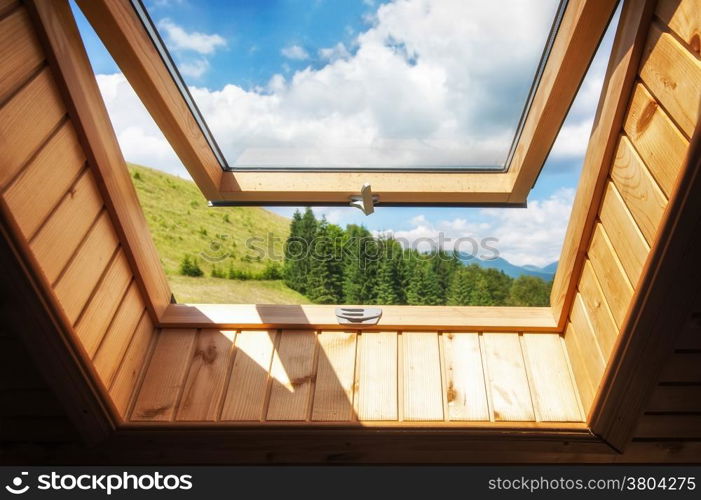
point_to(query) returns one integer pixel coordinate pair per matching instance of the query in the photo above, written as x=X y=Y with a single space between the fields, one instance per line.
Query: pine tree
x=462 y=286
x=529 y=291
x=443 y=266
x=424 y=287
x=492 y=288
x=303 y=230
x=325 y=277
x=359 y=266
x=389 y=287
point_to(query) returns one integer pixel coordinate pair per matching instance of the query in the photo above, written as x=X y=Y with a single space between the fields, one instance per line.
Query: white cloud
x=332 y=54
x=140 y=139
x=531 y=235
x=295 y=52
x=403 y=97
x=180 y=39
x=194 y=68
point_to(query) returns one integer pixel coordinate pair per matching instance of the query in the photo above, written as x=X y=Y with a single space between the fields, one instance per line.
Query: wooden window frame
x=582 y=26
x=658 y=307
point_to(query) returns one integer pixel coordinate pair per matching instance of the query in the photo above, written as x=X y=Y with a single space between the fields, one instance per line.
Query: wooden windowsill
x=415 y=318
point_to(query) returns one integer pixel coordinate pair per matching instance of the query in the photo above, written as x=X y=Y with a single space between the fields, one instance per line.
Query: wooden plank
x=584 y=381
x=55 y=168
x=26 y=121
x=548 y=371
x=665 y=302
x=621 y=72
x=506 y=375
x=627 y=240
x=589 y=348
x=658 y=141
x=205 y=383
x=292 y=375
x=20 y=51
x=132 y=366
x=93 y=323
x=597 y=310
x=642 y=195
x=66 y=54
x=77 y=283
x=675 y=398
x=61 y=235
x=165 y=376
x=377 y=387
x=423 y=394
x=610 y=275
x=669 y=427
x=333 y=392
x=323 y=317
x=682 y=367
x=118 y=337
x=673 y=75
x=465 y=388
x=248 y=381
x=682 y=17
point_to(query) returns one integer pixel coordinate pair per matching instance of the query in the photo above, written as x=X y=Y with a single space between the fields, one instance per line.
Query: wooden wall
x=651 y=149
x=53 y=200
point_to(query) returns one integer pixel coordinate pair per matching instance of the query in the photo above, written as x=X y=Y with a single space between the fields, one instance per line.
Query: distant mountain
x=545 y=273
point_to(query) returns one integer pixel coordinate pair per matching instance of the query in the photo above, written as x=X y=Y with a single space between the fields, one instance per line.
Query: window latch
x=365 y=201
x=358 y=315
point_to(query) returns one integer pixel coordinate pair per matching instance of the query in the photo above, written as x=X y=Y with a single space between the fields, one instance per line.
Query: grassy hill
x=182 y=224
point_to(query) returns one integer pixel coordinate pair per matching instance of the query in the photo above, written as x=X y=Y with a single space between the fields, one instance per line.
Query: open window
x=464 y=158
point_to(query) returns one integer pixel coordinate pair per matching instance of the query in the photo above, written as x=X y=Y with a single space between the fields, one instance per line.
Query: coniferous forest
x=331 y=265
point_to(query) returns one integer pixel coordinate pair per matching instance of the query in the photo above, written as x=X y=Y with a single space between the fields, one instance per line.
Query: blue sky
x=257 y=61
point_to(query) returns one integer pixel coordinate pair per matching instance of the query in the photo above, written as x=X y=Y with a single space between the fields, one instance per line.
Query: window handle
x=358 y=315
x=365 y=201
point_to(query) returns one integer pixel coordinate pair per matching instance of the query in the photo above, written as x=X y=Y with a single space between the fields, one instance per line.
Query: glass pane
x=362 y=84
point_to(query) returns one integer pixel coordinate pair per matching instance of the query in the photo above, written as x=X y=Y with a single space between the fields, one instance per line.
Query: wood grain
x=658 y=141
x=132 y=366
x=610 y=275
x=20 y=51
x=118 y=337
x=682 y=17
x=61 y=235
x=548 y=371
x=335 y=376
x=78 y=281
x=55 y=168
x=165 y=376
x=627 y=240
x=248 y=381
x=377 y=379
x=506 y=374
x=673 y=75
x=292 y=375
x=26 y=121
x=587 y=342
x=465 y=388
x=586 y=386
x=597 y=310
x=323 y=317
x=642 y=195
x=206 y=380
x=423 y=394
x=93 y=323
